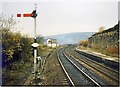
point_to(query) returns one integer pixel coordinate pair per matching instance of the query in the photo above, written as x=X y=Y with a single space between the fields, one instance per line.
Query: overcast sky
x=63 y=17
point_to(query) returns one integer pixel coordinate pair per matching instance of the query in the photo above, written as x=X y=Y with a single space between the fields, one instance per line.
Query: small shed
x=52 y=42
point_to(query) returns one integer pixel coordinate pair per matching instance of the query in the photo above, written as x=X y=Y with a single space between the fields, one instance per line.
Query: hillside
x=71 y=37
x=106 y=41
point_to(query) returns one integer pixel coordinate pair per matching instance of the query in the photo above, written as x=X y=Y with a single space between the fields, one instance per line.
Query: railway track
x=103 y=72
x=111 y=64
x=75 y=74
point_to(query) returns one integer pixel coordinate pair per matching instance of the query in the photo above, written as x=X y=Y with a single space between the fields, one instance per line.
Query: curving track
x=101 y=73
x=74 y=72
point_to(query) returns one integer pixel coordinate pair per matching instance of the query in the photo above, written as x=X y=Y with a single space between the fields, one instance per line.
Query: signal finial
x=35 y=6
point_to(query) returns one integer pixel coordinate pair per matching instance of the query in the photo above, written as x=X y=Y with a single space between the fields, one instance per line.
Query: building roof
x=53 y=40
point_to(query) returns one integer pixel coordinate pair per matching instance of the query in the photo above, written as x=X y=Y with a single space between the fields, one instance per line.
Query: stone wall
x=107 y=40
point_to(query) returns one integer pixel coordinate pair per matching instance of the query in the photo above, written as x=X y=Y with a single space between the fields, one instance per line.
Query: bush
x=113 y=50
x=15 y=46
x=84 y=43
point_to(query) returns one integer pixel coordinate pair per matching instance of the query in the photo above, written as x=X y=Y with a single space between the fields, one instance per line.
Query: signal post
x=35 y=44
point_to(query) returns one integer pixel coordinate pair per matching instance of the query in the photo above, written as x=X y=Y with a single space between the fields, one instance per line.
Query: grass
x=106 y=52
x=19 y=71
x=113 y=52
x=15 y=75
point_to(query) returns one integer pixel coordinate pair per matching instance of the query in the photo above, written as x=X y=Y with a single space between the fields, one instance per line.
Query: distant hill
x=70 y=38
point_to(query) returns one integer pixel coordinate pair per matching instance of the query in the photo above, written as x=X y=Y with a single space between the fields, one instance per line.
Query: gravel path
x=53 y=73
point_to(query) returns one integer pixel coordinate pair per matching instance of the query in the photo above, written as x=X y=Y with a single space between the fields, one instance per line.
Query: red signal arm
x=18 y=15
x=27 y=15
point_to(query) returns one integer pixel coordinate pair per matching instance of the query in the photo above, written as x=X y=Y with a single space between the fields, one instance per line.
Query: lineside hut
x=52 y=43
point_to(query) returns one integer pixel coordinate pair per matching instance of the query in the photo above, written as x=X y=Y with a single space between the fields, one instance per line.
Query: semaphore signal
x=33 y=14
x=35 y=44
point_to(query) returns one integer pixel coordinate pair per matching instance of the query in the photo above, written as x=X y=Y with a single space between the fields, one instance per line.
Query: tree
x=9 y=40
x=40 y=40
x=84 y=43
x=7 y=23
x=101 y=29
x=15 y=46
